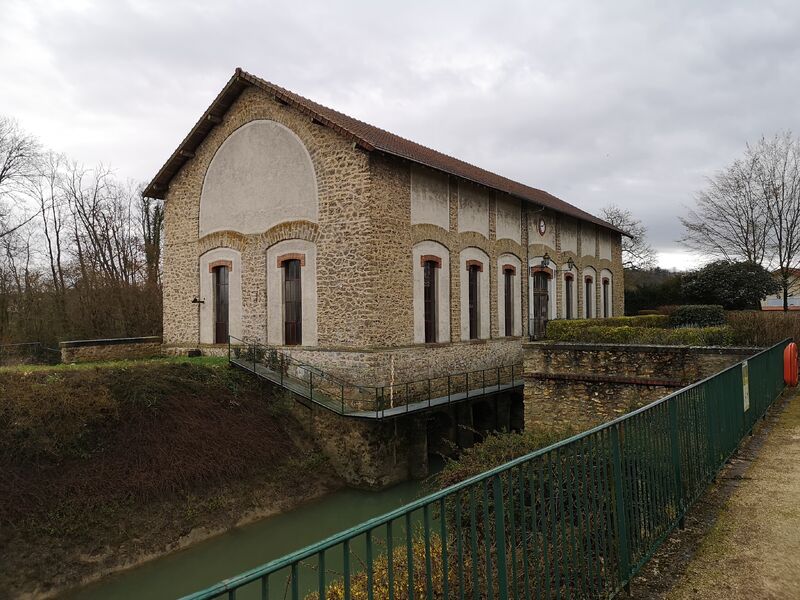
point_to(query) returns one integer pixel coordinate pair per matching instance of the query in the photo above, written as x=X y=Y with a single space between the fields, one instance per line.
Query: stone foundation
x=378 y=454
x=583 y=385
x=110 y=349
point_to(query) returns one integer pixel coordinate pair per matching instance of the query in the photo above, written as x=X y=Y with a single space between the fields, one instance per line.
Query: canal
x=243 y=548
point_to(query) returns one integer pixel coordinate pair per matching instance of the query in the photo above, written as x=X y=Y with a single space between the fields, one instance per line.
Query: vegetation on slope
x=104 y=465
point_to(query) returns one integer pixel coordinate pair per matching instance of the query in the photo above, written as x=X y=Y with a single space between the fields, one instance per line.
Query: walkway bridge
x=578 y=519
x=369 y=402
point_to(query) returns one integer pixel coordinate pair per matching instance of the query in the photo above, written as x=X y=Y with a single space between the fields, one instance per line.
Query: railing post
x=676 y=458
x=342 y=390
x=466 y=382
x=619 y=502
x=448 y=389
x=282 y=367
x=429 y=393
x=500 y=537
x=311 y=384
x=254 y=357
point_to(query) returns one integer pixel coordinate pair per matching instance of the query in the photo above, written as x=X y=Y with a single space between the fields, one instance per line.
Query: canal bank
x=243 y=548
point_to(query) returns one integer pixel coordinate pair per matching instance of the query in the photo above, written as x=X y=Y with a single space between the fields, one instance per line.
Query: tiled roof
x=367 y=136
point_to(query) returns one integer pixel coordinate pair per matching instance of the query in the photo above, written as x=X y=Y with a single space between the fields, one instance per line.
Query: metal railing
x=577 y=519
x=28 y=353
x=377 y=402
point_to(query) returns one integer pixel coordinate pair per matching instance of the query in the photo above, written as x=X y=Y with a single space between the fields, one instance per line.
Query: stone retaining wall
x=583 y=385
x=110 y=349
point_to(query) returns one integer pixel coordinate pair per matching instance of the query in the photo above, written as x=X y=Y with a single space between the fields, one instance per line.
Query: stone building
x=295 y=225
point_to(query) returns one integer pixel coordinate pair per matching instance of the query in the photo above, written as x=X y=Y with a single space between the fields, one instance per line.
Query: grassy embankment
x=105 y=464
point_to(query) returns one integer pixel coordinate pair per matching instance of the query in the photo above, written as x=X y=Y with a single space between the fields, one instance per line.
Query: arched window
x=430 y=267
x=569 y=295
x=508 y=300
x=588 y=295
x=221 y=303
x=473 y=269
x=292 y=303
x=606 y=305
x=540 y=300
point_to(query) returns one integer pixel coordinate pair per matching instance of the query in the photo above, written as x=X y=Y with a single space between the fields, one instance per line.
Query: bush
x=648 y=312
x=698 y=315
x=763 y=328
x=602 y=334
x=563 y=329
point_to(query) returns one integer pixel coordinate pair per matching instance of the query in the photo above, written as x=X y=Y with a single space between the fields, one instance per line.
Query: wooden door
x=292 y=304
x=539 y=300
x=221 y=306
x=429 y=301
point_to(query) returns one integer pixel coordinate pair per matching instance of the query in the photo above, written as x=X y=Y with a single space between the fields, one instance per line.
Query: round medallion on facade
x=542 y=226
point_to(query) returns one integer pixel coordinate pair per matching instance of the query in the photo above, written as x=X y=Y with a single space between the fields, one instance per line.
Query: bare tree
x=730 y=221
x=19 y=153
x=777 y=173
x=636 y=252
x=751 y=210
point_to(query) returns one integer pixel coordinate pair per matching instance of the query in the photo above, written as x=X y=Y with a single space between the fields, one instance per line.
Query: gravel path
x=752 y=550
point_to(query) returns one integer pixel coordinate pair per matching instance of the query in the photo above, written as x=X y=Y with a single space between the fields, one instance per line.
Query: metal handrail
x=378 y=394
x=657 y=448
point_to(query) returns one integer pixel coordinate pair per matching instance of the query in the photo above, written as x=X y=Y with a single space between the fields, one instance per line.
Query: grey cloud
x=632 y=103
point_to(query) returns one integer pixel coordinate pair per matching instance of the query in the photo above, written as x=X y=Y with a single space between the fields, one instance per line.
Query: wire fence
x=28 y=353
x=577 y=519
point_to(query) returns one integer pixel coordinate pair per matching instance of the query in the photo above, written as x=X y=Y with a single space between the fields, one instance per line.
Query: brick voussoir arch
x=290 y=230
x=426 y=232
x=221 y=239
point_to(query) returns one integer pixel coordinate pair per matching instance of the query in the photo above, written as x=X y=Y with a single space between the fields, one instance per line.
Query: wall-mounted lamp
x=570 y=263
x=545 y=260
x=197 y=300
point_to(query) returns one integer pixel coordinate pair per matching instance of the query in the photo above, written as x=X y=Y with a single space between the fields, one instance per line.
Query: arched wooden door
x=539 y=304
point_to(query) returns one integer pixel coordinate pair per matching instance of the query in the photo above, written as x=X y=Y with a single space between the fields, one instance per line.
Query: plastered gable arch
x=261 y=175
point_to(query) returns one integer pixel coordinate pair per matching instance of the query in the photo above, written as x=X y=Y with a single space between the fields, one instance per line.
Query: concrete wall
x=260 y=176
x=430 y=197
x=509 y=219
x=583 y=385
x=110 y=349
x=473 y=208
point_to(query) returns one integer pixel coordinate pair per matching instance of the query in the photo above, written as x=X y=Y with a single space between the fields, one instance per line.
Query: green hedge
x=565 y=331
x=698 y=315
x=564 y=327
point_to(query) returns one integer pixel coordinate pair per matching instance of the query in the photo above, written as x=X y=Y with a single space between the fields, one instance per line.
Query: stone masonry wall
x=111 y=349
x=342 y=234
x=583 y=385
x=377 y=367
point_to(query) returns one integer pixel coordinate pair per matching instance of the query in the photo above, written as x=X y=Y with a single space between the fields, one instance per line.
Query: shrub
x=563 y=329
x=647 y=312
x=601 y=334
x=698 y=315
x=763 y=328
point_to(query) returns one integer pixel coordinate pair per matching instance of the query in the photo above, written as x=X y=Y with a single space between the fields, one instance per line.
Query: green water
x=247 y=547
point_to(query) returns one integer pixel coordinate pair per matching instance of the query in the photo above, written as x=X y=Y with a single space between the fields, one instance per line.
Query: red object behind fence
x=790 y=364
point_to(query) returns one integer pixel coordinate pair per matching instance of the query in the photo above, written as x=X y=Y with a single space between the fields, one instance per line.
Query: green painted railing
x=574 y=520
x=374 y=402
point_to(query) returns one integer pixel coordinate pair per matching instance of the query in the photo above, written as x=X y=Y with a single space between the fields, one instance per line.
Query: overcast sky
x=632 y=103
